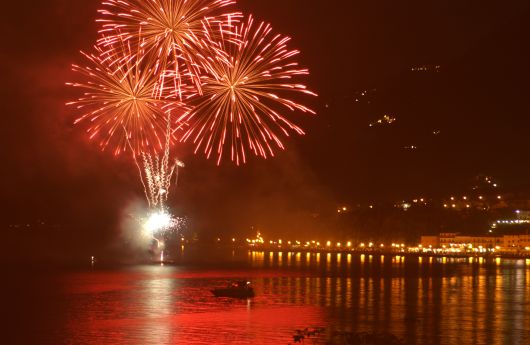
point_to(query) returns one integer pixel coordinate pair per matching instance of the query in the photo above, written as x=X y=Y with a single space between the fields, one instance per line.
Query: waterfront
x=420 y=300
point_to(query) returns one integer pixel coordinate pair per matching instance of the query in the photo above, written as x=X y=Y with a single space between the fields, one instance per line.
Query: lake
x=418 y=300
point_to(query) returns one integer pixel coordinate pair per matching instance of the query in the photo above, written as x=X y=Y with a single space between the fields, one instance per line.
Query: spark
x=237 y=112
x=157 y=222
x=160 y=223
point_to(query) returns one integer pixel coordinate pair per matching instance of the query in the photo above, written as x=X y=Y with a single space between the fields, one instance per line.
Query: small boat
x=235 y=290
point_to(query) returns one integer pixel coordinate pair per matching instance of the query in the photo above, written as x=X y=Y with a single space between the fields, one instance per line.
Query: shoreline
x=392 y=253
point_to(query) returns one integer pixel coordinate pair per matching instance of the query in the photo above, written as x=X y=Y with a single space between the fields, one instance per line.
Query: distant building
x=504 y=243
x=515 y=243
x=446 y=238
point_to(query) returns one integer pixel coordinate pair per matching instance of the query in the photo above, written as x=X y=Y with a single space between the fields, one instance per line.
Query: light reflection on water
x=421 y=300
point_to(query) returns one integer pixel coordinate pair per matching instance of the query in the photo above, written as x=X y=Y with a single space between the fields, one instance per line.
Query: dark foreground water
x=419 y=300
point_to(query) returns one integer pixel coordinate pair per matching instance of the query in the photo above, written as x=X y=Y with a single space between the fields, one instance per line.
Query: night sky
x=477 y=99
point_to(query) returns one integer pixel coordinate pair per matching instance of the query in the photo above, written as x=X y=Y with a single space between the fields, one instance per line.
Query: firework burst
x=119 y=106
x=173 y=32
x=238 y=108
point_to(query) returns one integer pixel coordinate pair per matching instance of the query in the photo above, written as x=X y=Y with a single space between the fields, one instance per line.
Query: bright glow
x=157 y=222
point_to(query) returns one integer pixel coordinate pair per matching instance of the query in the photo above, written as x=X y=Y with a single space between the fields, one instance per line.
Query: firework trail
x=158 y=173
x=238 y=107
x=173 y=32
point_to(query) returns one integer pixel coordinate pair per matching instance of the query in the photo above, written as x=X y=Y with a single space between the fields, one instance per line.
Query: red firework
x=120 y=106
x=242 y=101
x=173 y=32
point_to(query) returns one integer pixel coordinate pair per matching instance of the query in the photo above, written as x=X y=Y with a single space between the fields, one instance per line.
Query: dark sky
x=478 y=100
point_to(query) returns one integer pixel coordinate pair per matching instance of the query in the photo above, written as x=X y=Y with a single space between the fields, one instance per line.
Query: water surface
x=419 y=300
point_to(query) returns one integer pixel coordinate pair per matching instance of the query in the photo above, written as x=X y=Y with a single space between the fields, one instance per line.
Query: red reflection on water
x=169 y=306
x=422 y=302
